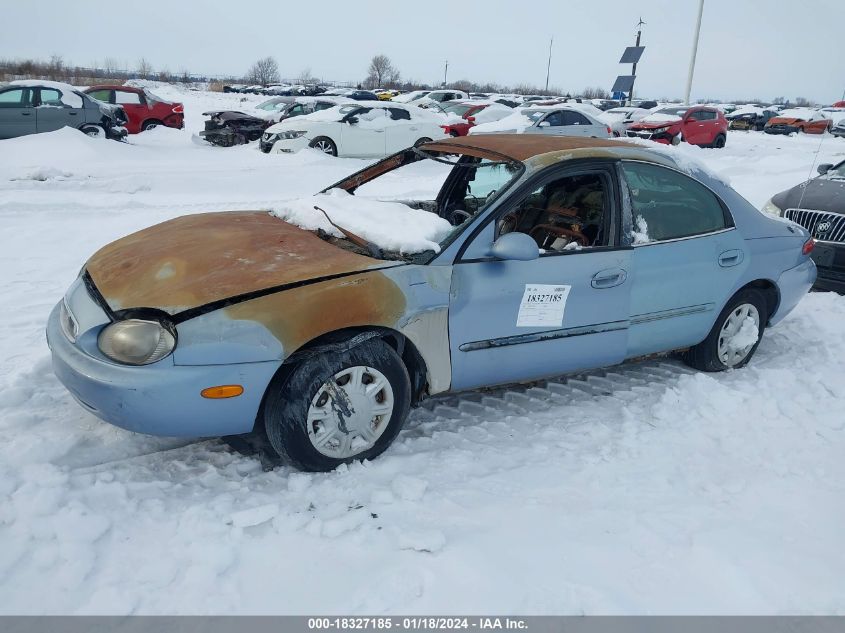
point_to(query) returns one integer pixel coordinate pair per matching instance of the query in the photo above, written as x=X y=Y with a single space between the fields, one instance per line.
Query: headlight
x=660 y=130
x=270 y=137
x=136 y=341
x=771 y=208
x=291 y=134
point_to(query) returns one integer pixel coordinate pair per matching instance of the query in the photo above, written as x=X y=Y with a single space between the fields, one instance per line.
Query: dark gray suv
x=31 y=107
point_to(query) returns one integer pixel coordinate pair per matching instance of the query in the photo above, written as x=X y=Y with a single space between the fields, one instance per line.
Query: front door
x=513 y=321
x=365 y=136
x=17 y=114
x=687 y=258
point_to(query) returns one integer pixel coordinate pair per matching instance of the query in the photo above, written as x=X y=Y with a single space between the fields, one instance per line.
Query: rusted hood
x=785 y=120
x=199 y=259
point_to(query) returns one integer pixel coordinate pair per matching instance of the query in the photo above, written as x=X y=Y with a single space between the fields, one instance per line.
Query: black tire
x=92 y=130
x=719 y=141
x=288 y=398
x=705 y=355
x=422 y=141
x=149 y=125
x=325 y=145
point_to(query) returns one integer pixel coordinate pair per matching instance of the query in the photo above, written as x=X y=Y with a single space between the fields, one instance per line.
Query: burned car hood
x=785 y=120
x=653 y=125
x=201 y=259
x=232 y=115
x=820 y=194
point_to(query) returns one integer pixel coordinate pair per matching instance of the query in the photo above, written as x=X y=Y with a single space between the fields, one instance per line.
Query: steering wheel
x=458 y=217
x=559 y=231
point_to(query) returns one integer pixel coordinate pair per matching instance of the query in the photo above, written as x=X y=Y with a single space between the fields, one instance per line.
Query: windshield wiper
x=373 y=249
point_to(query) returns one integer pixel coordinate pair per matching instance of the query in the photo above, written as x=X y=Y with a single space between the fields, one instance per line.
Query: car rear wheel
x=735 y=335
x=719 y=141
x=325 y=145
x=336 y=407
x=149 y=125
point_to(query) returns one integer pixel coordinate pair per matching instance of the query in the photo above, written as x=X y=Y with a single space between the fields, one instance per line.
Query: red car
x=468 y=110
x=699 y=125
x=143 y=109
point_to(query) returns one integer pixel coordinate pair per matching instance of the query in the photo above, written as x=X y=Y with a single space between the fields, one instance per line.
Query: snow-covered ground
x=647 y=488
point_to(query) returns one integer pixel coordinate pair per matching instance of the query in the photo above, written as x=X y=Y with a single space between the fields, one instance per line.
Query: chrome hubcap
x=350 y=412
x=739 y=334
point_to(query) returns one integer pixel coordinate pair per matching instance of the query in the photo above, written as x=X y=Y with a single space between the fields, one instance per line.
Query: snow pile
x=660 y=117
x=392 y=226
x=515 y=122
x=493 y=112
x=805 y=114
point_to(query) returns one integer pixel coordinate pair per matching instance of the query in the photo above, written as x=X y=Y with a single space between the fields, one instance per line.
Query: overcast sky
x=748 y=48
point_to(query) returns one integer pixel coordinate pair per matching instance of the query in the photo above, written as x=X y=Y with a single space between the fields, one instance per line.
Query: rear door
x=56 y=109
x=17 y=114
x=698 y=127
x=402 y=130
x=687 y=258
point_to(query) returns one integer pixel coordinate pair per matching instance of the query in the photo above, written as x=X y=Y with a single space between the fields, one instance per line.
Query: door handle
x=26 y=113
x=379 y=131
x=730 y=258
x=71 y=113
x=609 y=278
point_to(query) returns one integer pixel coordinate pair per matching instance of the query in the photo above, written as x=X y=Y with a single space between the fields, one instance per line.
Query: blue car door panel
x=566 y=310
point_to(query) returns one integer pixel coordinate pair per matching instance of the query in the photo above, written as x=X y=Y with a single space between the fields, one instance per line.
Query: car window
x=554 y=119
x=51 y=97
x=100 y=95
x=296 y=110
x=127 y=98
x=568 y=213
x=706 y=115
x=18 y=98
x=398 y=114
x=667 y=205
x=324 y=105
x=574 y=118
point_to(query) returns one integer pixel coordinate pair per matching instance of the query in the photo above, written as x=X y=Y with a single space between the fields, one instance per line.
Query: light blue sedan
x=560 y=254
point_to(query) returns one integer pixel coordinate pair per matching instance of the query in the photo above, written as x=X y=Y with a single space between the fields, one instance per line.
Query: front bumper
x=660 y=137
x=830 y=261
x=290 y=145
x=117 y=133
x=161 y=398
x=781 y=129
x=838 y=131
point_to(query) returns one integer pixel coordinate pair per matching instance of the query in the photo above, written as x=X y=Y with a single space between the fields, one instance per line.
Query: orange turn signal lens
x=222 y=391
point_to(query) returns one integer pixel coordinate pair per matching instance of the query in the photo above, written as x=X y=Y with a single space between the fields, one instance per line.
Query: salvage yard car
x=144 y=110
x=798 y=120
x=569 y=120
x=320 y=324
x=819 y=206
x=366 y=130
x=34 y=107
x=698 y=125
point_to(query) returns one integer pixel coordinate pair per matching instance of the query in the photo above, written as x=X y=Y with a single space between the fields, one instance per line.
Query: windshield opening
x=409 y=206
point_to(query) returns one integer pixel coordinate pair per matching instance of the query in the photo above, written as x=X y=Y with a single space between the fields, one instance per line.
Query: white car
x=436 y=98
x=368 y=129
x=555 y=120
x=620 y=118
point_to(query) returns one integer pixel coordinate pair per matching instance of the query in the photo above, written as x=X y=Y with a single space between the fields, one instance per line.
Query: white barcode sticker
x=542 y=305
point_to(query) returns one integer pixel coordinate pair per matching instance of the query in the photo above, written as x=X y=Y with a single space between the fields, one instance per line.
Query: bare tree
x=595 y=93
x=305 y=77
x=56 y=67
x=264 y=71
x=145 y=69
x=381 y=72
x=110 y=67
x=802 y=102
x=185 y=76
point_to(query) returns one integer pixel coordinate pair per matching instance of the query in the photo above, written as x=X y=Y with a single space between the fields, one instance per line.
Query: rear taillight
x=178 y=108
x=809 y=245
x=609 y=131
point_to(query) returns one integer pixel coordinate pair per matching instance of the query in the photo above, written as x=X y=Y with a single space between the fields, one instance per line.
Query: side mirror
x=350 y=119
x=544 y=124
x=515 y=246
x=824 y=168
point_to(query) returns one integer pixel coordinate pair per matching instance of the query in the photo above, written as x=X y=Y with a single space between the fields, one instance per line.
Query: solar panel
x=623 y=83
x=632 y=55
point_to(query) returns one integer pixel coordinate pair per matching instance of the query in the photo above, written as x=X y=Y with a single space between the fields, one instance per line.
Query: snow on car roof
x=34 y=83
x=521 y=147
x=808 y=114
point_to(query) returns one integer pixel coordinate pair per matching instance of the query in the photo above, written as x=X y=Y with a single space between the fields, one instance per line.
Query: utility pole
x=640 y=25
x=549 y=66
x=694 y=50
x=445 y=70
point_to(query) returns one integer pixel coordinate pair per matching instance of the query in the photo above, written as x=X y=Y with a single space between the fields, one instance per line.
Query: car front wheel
x=325 y=145
x=735 y=335
x=336 y=407
x=94 y=131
